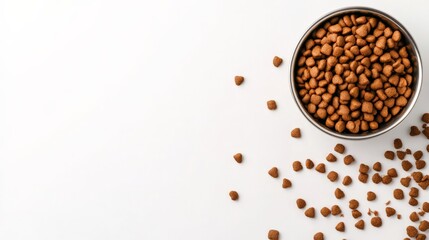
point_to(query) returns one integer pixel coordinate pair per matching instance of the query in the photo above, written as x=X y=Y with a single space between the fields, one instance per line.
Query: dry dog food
x=347 y=180
x=336 y=210
x=349 y=159
x=274 y=172
x=296 y=133
x=371 y=196
x=309 y=164
x=340 y=227
x=311 y=212
x=325 y=211
x=297 y=166
x=233 y=195
x=300 y=203
x=273 y=234
x=332 y=176
x=238 y=157
x=286 y=183
x=238 y=80
x=360 y=224
x=339 y=148
x=318 y=236
x=271 y=104
x=277 y=61
x=354 y=76
x=390 y=211
x=376 y=221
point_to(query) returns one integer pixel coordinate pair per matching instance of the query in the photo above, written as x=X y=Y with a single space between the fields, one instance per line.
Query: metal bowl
x=412 y=51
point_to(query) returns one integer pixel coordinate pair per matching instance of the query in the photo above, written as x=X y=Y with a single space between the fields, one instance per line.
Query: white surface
x=119 y=120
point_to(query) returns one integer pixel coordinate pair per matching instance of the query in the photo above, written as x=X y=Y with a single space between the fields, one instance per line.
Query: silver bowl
x=412 y=51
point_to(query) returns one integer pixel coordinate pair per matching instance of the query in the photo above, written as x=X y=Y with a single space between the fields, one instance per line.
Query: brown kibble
x=321 y=168
x=418 y=155
x=272 y=105
x=300 y=203
x=233 y=195
x=309 y=164
x=238 y=80
x=331 y=158
x=386 y=179
x=273 y=234
x=363 y=177
x=426 y=132
x=417 y=176
x=336 y=210
x=274 y=172
x=392 y=172
x=405 y=181
x=360 y=224
x=277 y=61
x=376 y=178
x=397 y=143
x=406 y=165
x=238 y=157
x=422 y=213
x=413 y=202
x=396 y=36
x=412 y=231
x=286 y=183
x=356 y=214
x=377 y=166
x=421 y=236
x=353 y=204
x=339 y=194
x=362 y=31
x=349 y=159
x=425 y=117
x=414 y=192
x=340 y=227
x=347 y=180
x=296 y=133
x=325 y=211
x=363 y=168
x=389 y=155
x=297 y=166
x=424 y=226
x=376 y=222
x=401 y=154
x=333 y=176
x=414 y=131
x=425 y=207
x=318 y=236
x=414 y=217
x=326 y=49
x=420 y=164
x=398 y=194
x=339 y=148
x=371 y=196
x=390 y=211
x=310 y=213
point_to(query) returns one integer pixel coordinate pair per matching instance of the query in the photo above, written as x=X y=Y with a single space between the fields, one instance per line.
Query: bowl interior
x=414 y=57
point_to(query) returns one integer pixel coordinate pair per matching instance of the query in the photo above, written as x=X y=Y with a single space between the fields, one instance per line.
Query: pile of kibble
x=375 y=173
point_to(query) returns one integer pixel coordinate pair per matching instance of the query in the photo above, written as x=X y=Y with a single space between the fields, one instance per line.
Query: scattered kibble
x=273 y=234
x=233 y=195
x=371 y=196
x=271 y=104
x=274 y=172
x=286 y=183
x=341 y=227
x=296 y=133
x=300 y=203
x=277 y=61
x=376 y=222
x=340 y=148
x=318 y=236
x=238 y=157
x=297 y=166
x=238 y=80
x=360 y=224
x=309 y=164
x=310 y=213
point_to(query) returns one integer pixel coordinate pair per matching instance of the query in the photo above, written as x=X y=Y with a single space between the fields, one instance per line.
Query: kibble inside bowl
x=356 y=73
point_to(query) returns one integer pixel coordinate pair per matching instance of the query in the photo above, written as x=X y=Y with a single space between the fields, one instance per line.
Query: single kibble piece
x=360 y=224
x=406 y=165
x=422 y=213
x=389 y=155
x=376 y=222
x=417 y=176
x=413 y=202
x=286 y=183
x=309 y=164
x=363 y=177
x=331 y=158
x=424 y=226
x=272 y=105
x=310 y=213
x=347 y=180
x=425 y=117
x=238 y=157
x=340 y=227
x=412 y=231
x=353 y=204
x=397 y=143
x=296 y=133
x=363 y=168
x=421 y=236
x=349 y=159
x=399 y=216
x=418 y=155
x=425 y=207
x=233 y=195
x=300 y=203
x=333 y=176
x=392 y=172
x=371 y=196
x=390 y=211
x=414 y=192
x=401 y=154
x=274 y=172
x=414 y=217
x=356 y=214
x=426 y=132
x=377 y=166
x=238 y=80
x=297 y=166
x=318 y=236
x=398 y=194
x=420 y=164
x=414 y=131
x=405 y=181
x=277 y=61
x=273 y=234
x=386 y=179
x=325 y=211
x=321 y=168
x=376 y=178
x=339 y=194
x=339 y=148
x=336 y=210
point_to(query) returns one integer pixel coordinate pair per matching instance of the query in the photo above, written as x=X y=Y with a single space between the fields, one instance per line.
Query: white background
x=119 y=120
